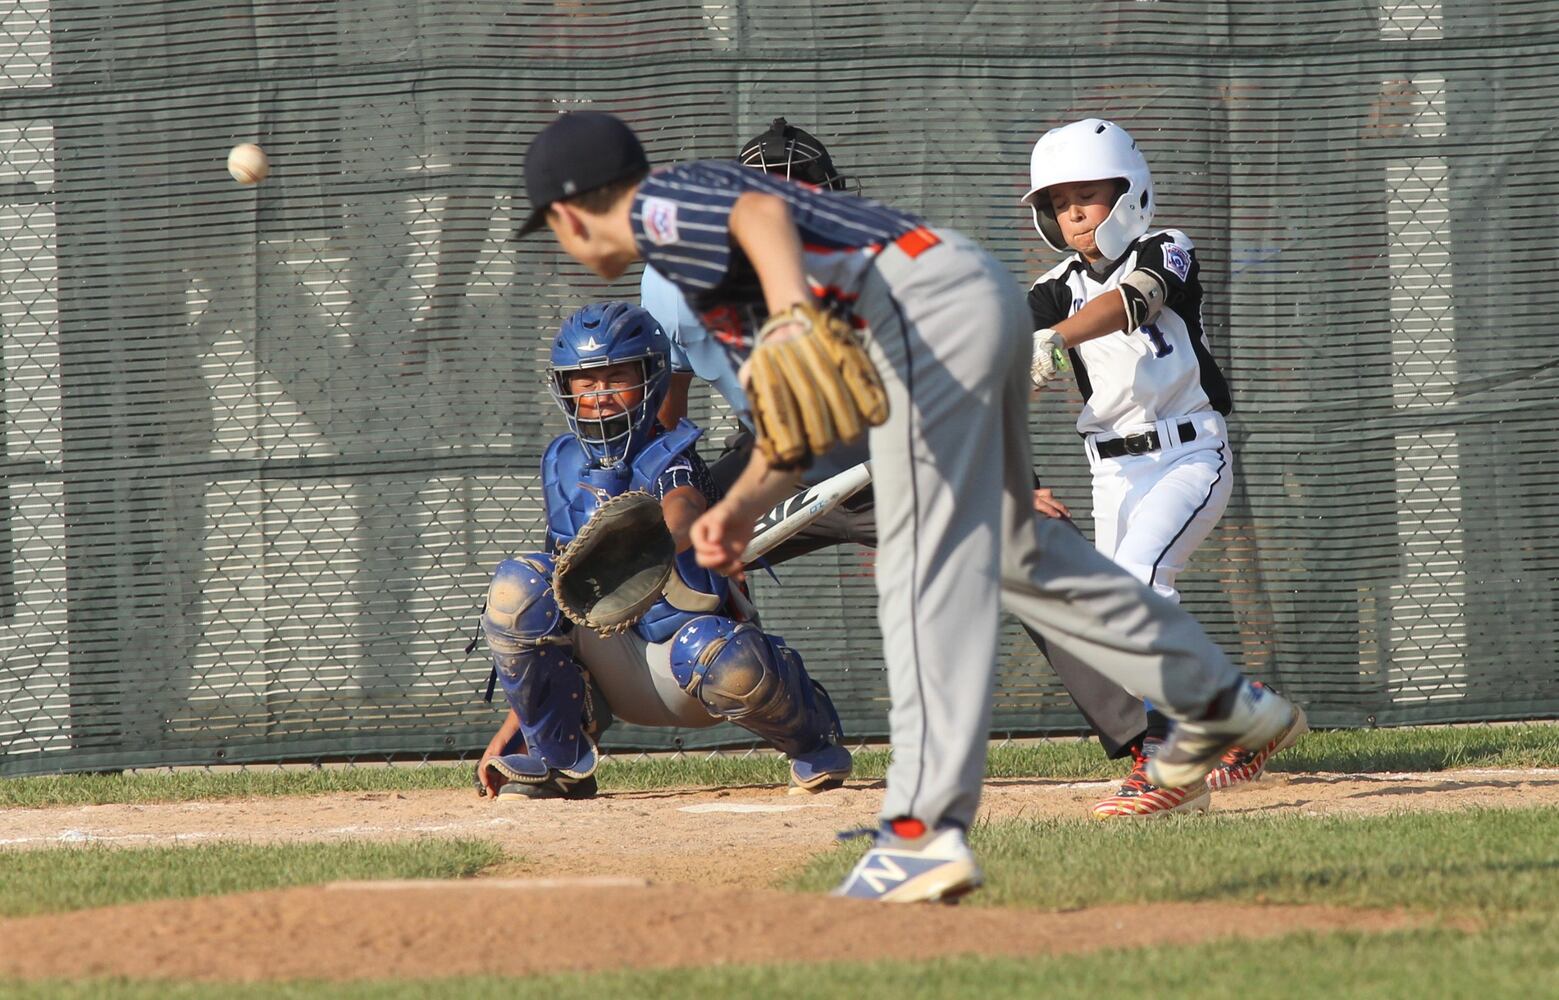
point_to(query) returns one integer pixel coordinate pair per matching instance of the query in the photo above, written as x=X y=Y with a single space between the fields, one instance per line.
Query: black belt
x=1142 y=443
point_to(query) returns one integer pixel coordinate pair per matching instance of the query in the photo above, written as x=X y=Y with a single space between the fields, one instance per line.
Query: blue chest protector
x=574 y=490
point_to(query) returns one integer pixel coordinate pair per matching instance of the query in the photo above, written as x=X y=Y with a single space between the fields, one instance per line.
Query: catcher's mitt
x=616 y=567
x=813 y=390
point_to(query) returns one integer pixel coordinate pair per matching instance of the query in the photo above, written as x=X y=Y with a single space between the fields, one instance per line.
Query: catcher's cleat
x=557 y=786
x=821 y=770
x=1250 y=716
x=528 y=776
x=1241 y=765
x=1139 y=797
x=910 y=864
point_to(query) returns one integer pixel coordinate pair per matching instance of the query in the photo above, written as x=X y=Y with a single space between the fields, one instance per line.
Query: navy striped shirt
x=681 y=220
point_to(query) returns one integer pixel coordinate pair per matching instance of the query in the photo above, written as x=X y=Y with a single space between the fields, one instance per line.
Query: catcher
x=617 y=618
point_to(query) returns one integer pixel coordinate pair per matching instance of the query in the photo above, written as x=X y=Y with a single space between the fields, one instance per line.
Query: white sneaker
x=1194 y=748
x=936 y=866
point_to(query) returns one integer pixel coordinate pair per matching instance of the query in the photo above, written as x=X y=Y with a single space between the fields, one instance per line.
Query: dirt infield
x=758 y=832
x=449 y=930
x=658 y=888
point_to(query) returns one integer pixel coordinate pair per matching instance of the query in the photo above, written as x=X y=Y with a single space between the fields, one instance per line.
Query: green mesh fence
x=263 y=446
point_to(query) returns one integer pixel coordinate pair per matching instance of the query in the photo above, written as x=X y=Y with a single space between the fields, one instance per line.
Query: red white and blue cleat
x=1139 y=797
x=1240 y=765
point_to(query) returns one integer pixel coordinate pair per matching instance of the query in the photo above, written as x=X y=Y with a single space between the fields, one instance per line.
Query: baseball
x=248 y=163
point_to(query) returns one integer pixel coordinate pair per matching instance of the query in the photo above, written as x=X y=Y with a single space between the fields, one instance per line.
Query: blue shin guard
x=544 y=684
x=756 y=681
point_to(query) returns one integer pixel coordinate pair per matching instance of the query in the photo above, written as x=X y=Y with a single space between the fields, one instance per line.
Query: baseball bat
x=789 y=516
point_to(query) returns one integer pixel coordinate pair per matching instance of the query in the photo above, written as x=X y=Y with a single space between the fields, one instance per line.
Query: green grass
x=1517 y=962
x=1482 y=861
x=1496 y=866
x=1429 y=748
x=73 y=878
x=1423 y=749
x=193 y=785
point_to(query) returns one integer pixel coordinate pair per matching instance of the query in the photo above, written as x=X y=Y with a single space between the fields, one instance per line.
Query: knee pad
x=753 y=680
x=521 y=610
x=696 y=647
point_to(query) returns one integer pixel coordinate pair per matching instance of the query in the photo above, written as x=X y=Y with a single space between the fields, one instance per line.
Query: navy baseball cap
x=578 y=152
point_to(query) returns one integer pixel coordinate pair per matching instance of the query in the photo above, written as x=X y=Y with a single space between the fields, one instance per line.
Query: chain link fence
x=263 y=446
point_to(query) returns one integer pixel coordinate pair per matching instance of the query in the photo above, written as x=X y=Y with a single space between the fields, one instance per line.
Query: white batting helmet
x=1092 y=150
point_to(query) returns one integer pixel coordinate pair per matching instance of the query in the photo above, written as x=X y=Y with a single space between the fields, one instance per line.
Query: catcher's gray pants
x=958 y=538
x=635 y=678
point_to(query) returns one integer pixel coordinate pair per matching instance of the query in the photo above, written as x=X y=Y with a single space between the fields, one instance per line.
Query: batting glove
x=1050 y=358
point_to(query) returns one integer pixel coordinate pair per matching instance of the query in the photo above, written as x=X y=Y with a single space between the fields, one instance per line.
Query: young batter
x=947 y=330
x=1127 y=307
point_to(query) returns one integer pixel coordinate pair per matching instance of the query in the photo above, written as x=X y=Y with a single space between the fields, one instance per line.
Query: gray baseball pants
x=1117 y=717
x=958 y=539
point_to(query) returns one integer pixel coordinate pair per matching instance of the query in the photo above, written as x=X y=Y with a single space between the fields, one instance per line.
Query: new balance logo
x=882 y=877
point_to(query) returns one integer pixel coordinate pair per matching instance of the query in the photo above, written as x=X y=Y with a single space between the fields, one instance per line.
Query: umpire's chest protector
x=574 y=490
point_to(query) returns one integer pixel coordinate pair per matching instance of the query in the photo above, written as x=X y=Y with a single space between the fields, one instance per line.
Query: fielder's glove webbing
x=812 y=390
x=616 y=567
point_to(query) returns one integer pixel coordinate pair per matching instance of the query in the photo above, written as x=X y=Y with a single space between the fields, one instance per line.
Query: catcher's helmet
x=1092 y=150
x=789 y=152
x=602 y=334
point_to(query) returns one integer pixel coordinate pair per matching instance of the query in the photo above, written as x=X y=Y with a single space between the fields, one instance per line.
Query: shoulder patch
x=1177 y=260
x=660 y=220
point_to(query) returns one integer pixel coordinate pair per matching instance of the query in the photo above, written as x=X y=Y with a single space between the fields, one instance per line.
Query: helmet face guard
x=610 y=437
x=789 y=152
x=1092 y=150
x=600 y=336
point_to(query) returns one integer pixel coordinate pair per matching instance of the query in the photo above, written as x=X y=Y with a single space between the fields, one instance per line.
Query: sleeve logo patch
x=660 y=221
x=1177 y=260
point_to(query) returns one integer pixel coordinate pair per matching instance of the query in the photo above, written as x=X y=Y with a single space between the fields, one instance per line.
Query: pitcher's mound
x=409 y=930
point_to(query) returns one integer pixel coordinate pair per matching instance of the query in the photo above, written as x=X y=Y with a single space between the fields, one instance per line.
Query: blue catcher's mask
x=605 y=335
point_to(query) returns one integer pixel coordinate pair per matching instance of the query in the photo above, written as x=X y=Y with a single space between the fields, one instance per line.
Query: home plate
x=750 y=807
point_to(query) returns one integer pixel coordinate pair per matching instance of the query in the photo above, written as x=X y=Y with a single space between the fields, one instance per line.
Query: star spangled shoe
x=911 y=864
x=1241 y=765
x=1252 y=717
x=1139 y=797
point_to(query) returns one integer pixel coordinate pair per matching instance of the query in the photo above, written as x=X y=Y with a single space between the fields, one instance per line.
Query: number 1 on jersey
x=1161 y=344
